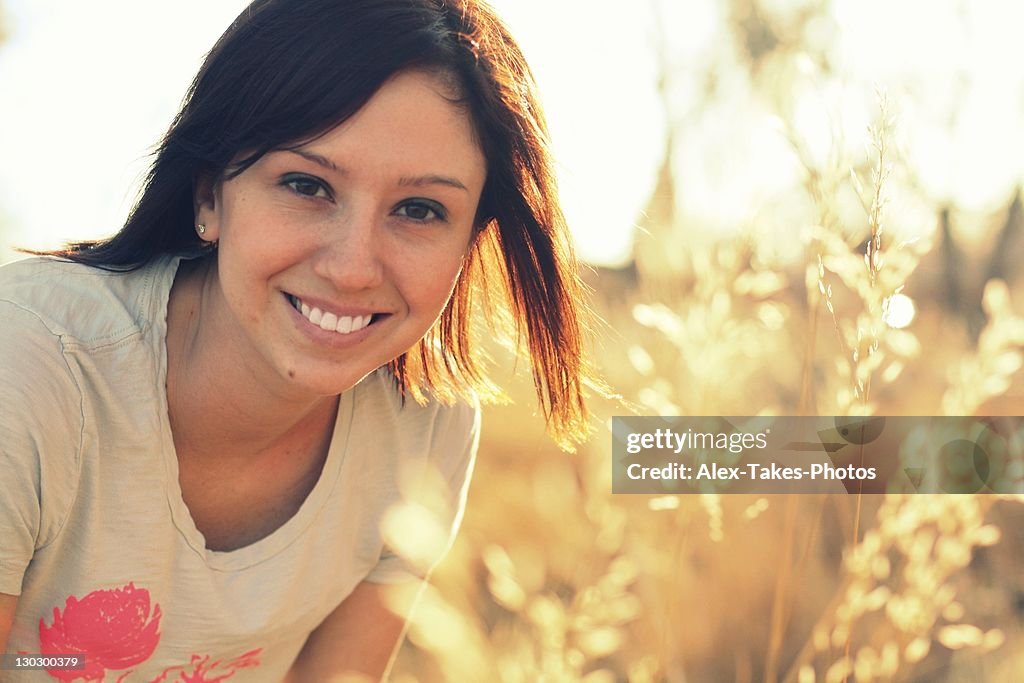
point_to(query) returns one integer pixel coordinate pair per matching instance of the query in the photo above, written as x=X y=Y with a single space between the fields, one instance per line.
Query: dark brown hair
x=288 y=71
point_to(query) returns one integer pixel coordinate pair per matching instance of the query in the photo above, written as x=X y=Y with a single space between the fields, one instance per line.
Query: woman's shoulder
x=41 y=427
x=445 y=434
x=412 y=452
x=39 y=300
x=85 y=304
x=378 y=395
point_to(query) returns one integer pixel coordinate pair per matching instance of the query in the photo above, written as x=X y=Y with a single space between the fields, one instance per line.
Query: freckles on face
x=338 y=254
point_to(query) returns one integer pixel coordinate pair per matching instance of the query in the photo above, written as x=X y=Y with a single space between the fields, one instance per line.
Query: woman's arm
x=360 y=636
x=7 y=605
x=41 y=427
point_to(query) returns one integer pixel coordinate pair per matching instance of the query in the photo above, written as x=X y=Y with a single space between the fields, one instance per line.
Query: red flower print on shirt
x=114 y=629
x=202 y=670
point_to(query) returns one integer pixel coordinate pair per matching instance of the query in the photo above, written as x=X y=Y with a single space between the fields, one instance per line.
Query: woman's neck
x=218 y=408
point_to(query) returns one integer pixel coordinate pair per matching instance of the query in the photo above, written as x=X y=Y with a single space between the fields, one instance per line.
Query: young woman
x=205 y=417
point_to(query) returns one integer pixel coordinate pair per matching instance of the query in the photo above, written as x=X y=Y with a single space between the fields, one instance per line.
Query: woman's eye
x=306 y=186
x=422 y=211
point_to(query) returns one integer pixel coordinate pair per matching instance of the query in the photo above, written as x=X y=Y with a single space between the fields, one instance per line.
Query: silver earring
x=200 y=228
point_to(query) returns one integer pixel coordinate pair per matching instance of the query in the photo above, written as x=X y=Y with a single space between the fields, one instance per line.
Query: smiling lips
x=344 y=324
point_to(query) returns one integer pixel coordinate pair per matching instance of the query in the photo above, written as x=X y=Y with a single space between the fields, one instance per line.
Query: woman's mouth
x=326 y=320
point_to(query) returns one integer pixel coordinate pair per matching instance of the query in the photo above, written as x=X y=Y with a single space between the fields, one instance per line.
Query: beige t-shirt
x=94 y=534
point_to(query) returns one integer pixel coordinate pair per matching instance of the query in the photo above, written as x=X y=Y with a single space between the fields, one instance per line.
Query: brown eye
x=422 y=211
x=307 y=186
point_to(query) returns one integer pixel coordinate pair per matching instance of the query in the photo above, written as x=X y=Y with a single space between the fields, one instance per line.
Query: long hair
x=288 y=71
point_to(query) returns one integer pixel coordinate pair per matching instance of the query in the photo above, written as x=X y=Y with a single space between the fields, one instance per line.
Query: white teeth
x=329 y=321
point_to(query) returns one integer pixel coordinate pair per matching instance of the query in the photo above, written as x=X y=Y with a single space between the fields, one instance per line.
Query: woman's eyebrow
x=417 y=181
x=316 y=159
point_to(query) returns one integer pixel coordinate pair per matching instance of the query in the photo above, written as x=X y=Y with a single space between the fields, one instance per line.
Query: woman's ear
x=206 y=203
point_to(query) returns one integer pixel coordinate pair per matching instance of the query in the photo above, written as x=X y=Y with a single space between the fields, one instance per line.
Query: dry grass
x=554 y=579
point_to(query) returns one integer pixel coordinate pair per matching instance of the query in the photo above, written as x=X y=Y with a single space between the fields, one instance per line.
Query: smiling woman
x=206 y=416
x=370 y=222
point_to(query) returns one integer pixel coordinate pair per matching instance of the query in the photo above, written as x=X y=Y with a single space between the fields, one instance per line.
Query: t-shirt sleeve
x=40 y=440
x=453 y=447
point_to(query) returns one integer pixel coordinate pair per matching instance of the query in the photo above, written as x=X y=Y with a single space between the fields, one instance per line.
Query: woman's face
x=337 y=257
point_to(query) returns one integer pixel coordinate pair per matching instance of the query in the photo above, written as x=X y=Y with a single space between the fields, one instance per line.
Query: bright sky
x=94 y=84
x=88 y=87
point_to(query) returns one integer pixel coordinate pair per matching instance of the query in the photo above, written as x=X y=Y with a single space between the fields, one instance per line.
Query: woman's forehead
x=410 y=131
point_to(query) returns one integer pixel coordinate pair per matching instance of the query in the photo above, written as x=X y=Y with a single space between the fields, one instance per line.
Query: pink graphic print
x=200 y=667
x=119 y=628
x=114 y=629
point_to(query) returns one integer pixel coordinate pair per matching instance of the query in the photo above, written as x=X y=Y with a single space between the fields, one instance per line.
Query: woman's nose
x=351 y=254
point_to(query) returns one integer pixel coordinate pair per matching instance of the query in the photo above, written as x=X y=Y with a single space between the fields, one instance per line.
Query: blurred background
x=785 y=207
